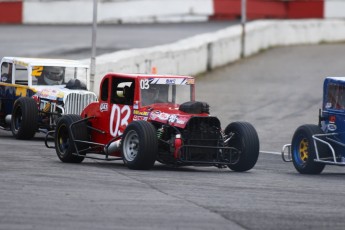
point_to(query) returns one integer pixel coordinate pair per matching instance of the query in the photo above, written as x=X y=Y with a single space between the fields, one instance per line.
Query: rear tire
x=139 y=145
x=24 y=121
x=246 y=140
x=64 y=145
x=303 y=150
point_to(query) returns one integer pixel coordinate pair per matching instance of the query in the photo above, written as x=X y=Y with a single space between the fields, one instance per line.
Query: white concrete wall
x=265 y=34
x=115 y=11
x=133 y=11
x=200 y=53
x=334 y=9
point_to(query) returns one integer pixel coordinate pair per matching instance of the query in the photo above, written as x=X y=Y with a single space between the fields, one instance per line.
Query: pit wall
x=149 y=11
x=205 y=52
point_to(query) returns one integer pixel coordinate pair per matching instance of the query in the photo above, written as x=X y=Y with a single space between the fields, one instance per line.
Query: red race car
x=141 y=119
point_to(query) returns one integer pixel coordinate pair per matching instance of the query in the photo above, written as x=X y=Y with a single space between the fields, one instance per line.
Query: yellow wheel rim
x=303 y=149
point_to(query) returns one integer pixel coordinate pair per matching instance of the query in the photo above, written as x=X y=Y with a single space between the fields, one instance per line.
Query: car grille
x=201 y=133
x=76 y=102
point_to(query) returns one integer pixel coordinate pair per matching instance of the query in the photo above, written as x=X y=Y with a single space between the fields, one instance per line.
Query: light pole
x=93 y=49
x=243 y=23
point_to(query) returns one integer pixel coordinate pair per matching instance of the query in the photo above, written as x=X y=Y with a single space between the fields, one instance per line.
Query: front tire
x=303 y=150
x=24 y=121
x=246 y=140
x=64 y=145
x=139 y=145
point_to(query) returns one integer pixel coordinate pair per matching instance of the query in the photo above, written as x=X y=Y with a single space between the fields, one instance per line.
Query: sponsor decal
x=20 y=63
x=331 y=119
x=167 y=117
x=172 y=118
x=175 y=119
x=139 y=118
x=136 y=105
x=154 y=114
x=141 y=113
x=4 y=78
x=145 y=83
x=181 y=122
x=331 y=127
x=170 y=81
x=51 y=94
x=328 y=105
x=190 y=81
x=60 y=94
x=103 y=107
x=163 y=116
x=20 y=91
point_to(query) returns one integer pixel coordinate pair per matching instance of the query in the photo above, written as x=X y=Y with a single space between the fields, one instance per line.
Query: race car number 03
x=120 y=117
x=144 y=84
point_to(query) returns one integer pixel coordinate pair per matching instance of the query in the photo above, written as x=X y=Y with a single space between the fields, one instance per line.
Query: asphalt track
x=276 y=90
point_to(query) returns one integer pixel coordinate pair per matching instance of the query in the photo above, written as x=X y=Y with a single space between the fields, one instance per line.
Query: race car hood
x=167 y=114
x=59 y=92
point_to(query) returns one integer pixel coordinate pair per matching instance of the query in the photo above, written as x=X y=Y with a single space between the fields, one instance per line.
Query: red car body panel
x=113 y=118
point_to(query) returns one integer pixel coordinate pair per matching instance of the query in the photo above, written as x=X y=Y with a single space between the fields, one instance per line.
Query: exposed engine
x=202 y=143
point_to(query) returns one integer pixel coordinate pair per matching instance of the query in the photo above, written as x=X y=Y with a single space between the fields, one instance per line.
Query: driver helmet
x=53 y=75
x=150 y=95
x=153 y=92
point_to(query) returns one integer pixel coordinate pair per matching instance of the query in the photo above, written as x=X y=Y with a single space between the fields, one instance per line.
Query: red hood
x=168 y=114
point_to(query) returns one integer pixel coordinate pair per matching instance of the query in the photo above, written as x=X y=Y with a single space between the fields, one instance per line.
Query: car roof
x=24 y=61
x=334 y=80
x=139 y=75
x=340 y=79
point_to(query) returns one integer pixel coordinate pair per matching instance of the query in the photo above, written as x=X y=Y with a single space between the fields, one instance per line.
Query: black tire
x=139 y=145
x=303 y=150
x=246 y=140
x=24 y=121
x=64 y=146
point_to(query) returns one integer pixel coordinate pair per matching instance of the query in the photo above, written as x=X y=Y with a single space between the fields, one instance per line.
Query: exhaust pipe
x=112 y=147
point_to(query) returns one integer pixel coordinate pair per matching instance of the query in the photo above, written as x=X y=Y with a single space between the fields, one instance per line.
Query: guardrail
x=205 y=52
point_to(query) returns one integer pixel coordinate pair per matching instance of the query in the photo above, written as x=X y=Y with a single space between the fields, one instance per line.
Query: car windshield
x=57 y=75
x=165 y=93
x=335 y=97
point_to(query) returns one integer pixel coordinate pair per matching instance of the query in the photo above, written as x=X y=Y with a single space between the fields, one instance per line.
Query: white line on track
x=270 y=152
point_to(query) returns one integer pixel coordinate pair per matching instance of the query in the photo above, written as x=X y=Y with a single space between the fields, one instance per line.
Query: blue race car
x=314 y=146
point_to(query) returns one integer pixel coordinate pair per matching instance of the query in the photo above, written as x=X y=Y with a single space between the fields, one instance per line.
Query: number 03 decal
x=144 y=84
x=120 y=117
